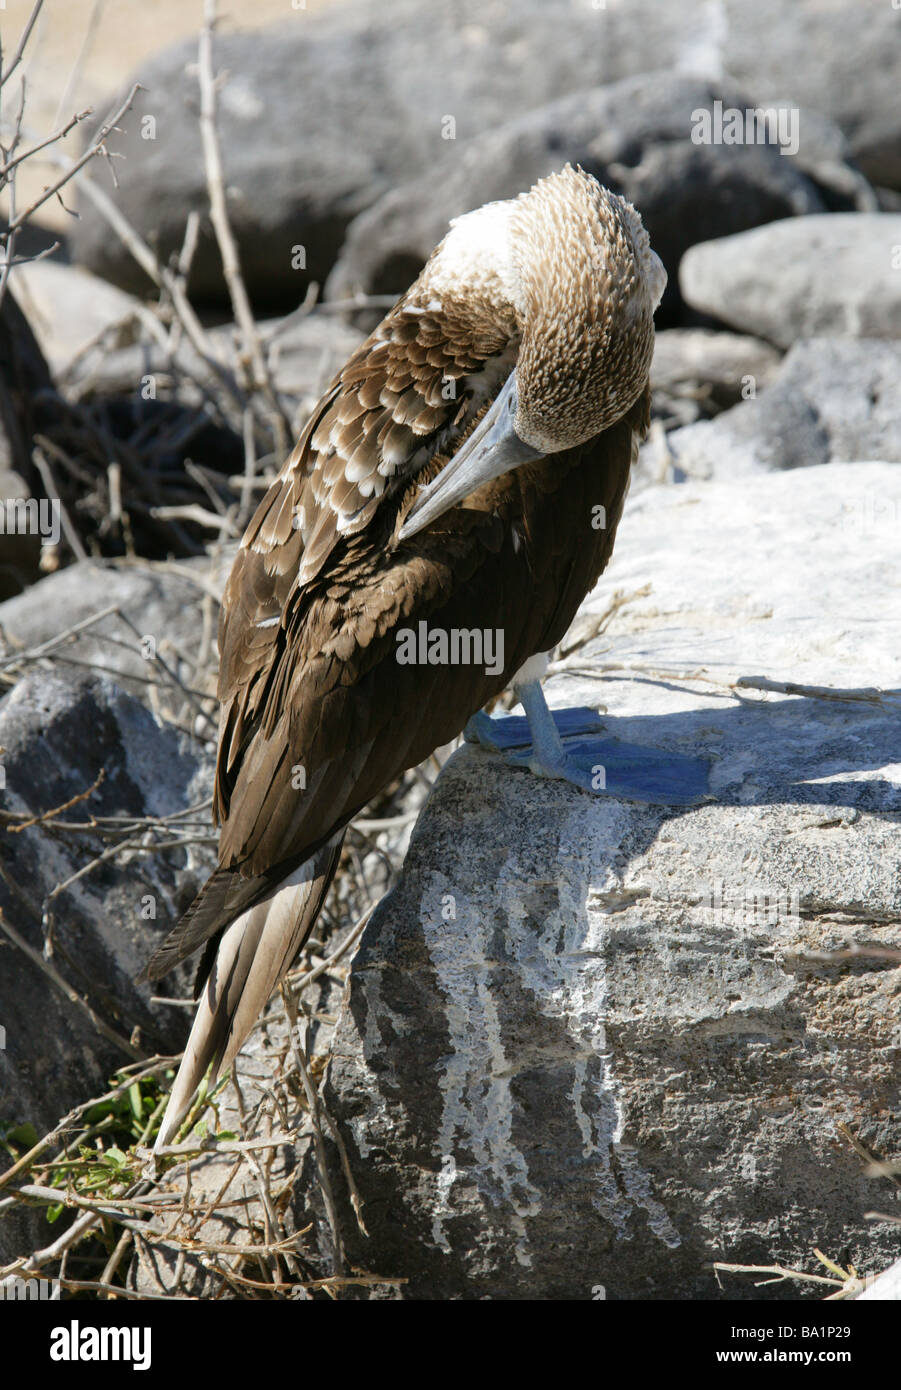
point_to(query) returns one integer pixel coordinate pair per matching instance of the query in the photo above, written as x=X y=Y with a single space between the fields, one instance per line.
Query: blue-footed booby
x=452 y=475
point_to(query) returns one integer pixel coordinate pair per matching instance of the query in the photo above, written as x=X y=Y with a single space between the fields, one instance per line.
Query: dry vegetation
x=93 y=1171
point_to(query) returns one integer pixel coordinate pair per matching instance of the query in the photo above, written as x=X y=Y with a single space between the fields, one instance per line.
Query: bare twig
x=66 y=989
x=6 y=74
x=94 y=148
x=72 y=80
x=52 y=492
x=261 y=378
x=328 y=1198
x=44 y=816
x=868 y=694
x=59 y=134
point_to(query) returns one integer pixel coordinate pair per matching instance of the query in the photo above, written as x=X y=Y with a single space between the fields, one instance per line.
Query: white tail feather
x=253 y=955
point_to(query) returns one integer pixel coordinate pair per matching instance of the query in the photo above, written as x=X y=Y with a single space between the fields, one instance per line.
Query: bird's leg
x=511 y=731
x=631 y=772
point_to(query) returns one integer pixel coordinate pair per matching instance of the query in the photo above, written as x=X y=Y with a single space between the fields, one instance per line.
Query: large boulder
x=802 y=278
x=828 y=56
x=160 y=623
x=833 y=400
x=95 y=919
x=634 y=136
x=593 y=1047
x=322 y=115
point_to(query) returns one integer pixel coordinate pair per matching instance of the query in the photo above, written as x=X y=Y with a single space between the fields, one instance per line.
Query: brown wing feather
x=310 y=687
x=383 y=413
x=341 y=707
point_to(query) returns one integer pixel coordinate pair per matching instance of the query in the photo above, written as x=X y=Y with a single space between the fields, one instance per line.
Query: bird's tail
x=253 y=954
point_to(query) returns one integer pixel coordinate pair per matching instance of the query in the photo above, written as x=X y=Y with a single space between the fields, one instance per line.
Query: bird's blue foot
x=511 y=731
x=628 y=771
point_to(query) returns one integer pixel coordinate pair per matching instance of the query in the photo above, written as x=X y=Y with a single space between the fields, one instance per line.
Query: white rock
x=833 y=400
x=591 y=1045
x=68 y=308
x=802 y=277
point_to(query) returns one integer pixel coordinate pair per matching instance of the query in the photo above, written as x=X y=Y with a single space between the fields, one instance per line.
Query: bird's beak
x=493 y=448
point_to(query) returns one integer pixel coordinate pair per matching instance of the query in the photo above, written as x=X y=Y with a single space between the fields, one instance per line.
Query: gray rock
x=303 y=355
x=697 y=373
x=825 y=155
x=322 y=116
x=57 y=734
x=829 y=57
x=164 y=607
x=635 y=136
x=319 y=117
x=833 y=400
x=802 y=278
x=68 y=308
x=592 y=1047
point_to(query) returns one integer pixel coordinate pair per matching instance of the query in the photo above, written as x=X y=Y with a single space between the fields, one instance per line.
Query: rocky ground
x=581 y=1043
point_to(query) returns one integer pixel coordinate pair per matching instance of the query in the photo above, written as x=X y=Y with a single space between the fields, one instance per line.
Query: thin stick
x=46 y=816
x=231 y=263
x=868 y=694
x=49 y=140
x=20 y=48
x=52 y=492
x=779 y=1272
x=50 y=970
x=192 y=511
x=219 y=1146
x=33 y=653
x=95 y=148
x=319 y=1142
x=72 y=80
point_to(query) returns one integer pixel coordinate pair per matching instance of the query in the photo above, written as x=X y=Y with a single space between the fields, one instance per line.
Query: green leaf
x=25 y=1134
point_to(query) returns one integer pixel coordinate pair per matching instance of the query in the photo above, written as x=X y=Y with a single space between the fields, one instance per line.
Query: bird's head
x=587 y=284
x=570 y=266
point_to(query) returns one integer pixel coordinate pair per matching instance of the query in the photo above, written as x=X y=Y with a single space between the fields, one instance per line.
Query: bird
x=449 y=480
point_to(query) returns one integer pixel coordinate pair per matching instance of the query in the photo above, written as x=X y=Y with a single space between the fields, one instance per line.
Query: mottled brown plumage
x=560 y=283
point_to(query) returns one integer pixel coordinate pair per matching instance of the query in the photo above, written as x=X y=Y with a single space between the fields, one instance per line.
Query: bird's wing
x=317 y=714
x=416 y=382
x=412 y=386
x=340 y=716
